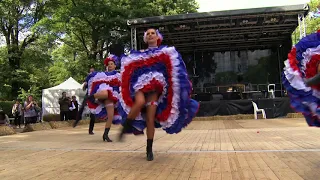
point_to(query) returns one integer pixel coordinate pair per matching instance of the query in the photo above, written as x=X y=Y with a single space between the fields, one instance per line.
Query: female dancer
x=301 y=78
x=157 y=79
x=103 y=94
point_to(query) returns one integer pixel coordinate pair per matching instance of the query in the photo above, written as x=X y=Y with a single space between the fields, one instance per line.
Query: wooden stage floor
x=241 y=149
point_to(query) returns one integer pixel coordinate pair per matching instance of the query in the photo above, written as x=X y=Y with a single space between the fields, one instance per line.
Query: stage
x=241 y=149
x=274 y=108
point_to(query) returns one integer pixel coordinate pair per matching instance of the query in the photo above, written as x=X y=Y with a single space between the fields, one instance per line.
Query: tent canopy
x=68 y=84
x=50 y=96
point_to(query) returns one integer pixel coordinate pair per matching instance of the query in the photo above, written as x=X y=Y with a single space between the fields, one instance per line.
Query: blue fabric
x=187 y=106
x=300 y=98
x=103 y=113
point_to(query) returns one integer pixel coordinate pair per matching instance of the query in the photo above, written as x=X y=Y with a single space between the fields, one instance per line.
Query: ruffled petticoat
x=99 y=81
x=301 y=64
x=160 y=70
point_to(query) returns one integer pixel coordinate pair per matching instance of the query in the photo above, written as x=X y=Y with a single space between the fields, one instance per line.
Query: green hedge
x=6 y=106
x=51 y=117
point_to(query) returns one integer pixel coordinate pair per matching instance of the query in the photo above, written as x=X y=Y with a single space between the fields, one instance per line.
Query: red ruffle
x=112 y=98
x=112 y=83
x=153 y=85
x=129 y=69
x=311 y=68
x=293 y=60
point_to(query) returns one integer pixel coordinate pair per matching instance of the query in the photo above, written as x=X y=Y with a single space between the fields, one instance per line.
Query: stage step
x=241 y=117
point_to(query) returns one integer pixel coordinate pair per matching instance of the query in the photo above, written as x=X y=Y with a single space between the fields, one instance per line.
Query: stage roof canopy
x=259 y=28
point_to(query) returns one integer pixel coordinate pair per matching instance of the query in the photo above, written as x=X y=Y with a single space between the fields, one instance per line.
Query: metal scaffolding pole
x=134 y=38
x=302 y=25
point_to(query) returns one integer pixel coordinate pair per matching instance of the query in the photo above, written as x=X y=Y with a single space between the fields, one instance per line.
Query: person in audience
x=64 y=102
x=30 y=110
x=73 y=108
x=17 y=113
x=4 y=119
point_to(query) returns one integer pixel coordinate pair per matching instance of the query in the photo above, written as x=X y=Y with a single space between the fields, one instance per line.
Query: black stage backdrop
x=274 y=108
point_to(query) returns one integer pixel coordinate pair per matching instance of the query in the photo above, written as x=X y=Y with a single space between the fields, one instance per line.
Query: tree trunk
x=14 y=62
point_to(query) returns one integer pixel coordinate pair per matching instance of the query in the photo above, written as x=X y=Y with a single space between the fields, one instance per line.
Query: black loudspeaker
x=117 y=49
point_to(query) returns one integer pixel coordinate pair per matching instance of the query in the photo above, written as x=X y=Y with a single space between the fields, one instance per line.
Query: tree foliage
x=312 y=23
x=47 y=41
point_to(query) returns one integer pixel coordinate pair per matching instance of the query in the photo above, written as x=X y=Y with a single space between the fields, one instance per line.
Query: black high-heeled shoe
x=126 y=126
x=150 y=156
x=105 y=137
x=149 y=150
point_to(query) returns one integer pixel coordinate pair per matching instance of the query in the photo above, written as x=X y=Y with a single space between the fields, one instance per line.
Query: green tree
x=18 y=25
x=312 y=24
x=87 y=29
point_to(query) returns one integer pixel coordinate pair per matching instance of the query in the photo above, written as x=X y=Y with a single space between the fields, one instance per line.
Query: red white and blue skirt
x=100 y=81
x=302 y=64
x=163 y=71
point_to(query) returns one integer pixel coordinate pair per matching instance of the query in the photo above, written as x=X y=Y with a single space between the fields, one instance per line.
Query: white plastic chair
x=256 y=110
x=271 y=90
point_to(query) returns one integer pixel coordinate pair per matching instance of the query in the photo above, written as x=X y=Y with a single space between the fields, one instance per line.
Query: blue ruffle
x=187 y=106
x=298 y=98
x=310 y=41
x=103 y=113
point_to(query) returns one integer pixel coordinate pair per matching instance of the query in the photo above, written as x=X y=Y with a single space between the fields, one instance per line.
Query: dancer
x=301 y=78
x=84 y=104
x=103 y=94
x=155 y=91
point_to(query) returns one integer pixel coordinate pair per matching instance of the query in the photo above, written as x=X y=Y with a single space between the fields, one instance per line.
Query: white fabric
x=174 y=113
x=307 y=56
x=145 y=79
x=294 y=77
x=101 y=76
x=50 y=96
x=102 y=87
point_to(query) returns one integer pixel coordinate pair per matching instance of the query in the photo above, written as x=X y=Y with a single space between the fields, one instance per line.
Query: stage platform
x=277 y=107
x=241 y=149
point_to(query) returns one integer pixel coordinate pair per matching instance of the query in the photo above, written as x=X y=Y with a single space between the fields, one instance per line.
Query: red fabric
x=159 y=42
x=112 y=83
x=129 y=69
x=153 y=85
x=106 y=61
x=311 y=68
x=292 y=60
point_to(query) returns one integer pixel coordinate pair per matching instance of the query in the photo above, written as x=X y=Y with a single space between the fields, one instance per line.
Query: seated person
x=4 y=119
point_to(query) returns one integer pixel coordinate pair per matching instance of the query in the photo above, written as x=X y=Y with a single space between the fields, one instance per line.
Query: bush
x=6 y=106
x=51 y=117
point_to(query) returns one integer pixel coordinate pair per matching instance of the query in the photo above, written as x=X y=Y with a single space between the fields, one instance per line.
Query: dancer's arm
x=313 y=81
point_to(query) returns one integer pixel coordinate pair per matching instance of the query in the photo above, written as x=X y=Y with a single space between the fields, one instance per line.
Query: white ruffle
x=294 y=78
x=137 y=57
x=101 y=76
x=308 y=55
x=145 y=79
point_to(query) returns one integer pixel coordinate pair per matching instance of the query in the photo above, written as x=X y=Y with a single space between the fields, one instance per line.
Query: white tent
x=50 y=96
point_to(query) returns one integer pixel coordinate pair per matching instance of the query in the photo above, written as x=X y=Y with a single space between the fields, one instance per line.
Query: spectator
x=17 y=113
x=31 y=110
x=4 y=119
x=64 y=102
x=73 y=108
